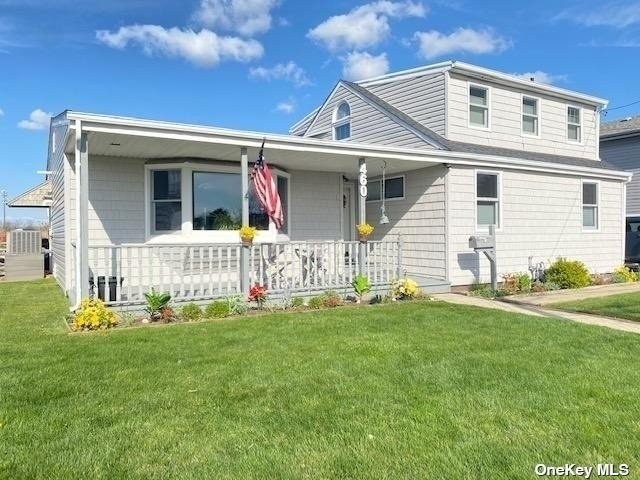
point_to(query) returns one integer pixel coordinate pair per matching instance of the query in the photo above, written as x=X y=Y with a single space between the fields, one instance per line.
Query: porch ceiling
x=154 y=148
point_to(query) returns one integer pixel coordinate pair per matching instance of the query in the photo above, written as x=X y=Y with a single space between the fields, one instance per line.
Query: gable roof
x=623 y=127
x=486 y=74
x=38 y=196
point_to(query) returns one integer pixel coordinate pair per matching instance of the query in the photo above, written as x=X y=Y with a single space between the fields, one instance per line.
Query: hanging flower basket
x=247 y=235
x=364 y=231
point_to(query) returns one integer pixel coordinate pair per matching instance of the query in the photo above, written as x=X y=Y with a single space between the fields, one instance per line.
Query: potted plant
x=258 y=294
x=364 y=231
x=361 y=286
x=247 y=235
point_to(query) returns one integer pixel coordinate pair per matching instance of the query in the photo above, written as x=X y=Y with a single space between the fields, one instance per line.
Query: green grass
x=624 y=305
x=414 y=390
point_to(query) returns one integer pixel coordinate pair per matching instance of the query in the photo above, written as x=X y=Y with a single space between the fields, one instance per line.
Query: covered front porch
x=158 y=206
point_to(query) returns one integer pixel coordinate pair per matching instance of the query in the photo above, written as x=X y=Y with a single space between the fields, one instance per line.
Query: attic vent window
x=342 y=122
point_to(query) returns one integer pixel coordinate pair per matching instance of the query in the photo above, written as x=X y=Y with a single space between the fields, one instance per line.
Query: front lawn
x=409 y=390
x=624 y=305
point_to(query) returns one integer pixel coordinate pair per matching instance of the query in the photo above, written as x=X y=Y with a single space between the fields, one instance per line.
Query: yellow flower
x=364 y=229
x=247 y=233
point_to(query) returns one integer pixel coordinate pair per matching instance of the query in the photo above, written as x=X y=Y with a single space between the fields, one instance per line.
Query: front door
x=348 y=211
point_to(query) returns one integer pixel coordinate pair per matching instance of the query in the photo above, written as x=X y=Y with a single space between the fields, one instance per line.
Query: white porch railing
x=122 y=274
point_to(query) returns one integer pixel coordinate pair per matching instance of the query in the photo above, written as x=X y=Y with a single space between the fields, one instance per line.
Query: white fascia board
x=176 y=131
x=304 y=119
x=499 y=77
x=406 y=74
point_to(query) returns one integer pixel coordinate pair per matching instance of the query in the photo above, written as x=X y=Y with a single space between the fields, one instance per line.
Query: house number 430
x=362 y=178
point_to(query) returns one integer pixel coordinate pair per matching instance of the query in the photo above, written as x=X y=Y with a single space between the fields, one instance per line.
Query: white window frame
x=395 y=199
x=580 y=125
x=187 y=234
x=471 y=85
x=597 y=206
x=151 y=208
x=537 y=115
x=485 y=228
x=335 y=122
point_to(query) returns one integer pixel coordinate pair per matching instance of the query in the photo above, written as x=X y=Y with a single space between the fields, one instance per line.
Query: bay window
x=208 y=197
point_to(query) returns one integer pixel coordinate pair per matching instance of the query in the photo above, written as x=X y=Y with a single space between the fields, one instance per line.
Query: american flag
x=266 y=190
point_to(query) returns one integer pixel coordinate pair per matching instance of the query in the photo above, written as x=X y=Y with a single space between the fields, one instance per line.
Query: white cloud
x=286 y=106
x=38 y=120
x=364 y=26
x=290 y=72
x=360 y=65
x=612 y=14
x=203 y=48
x=541 y=77
x=246 y=17
x=434 y=44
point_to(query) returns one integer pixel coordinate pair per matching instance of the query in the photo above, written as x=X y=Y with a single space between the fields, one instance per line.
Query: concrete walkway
x=515 y=305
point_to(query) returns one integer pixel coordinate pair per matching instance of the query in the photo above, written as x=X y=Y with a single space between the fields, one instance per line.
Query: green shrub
x=483 y=290
x=156 y=302
x=551 y=286
x=623 y=274
x=331 y=299
x=524 y=282
x=361 y=286
x=217 y=309
x=93 y=315
x=236 y=305
x=316 y=303
x=297 y=302
x=191 y=312
x=568 y=274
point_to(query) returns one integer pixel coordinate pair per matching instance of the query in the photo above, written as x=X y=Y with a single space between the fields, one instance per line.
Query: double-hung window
x=487 y=199
x=574 y=124
x=530 y=116
x=478 y=106
x=589 y=205
x=166 y=200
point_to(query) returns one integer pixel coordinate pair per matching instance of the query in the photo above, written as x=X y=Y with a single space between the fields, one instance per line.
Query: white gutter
x=78 y=222
x=198 y=133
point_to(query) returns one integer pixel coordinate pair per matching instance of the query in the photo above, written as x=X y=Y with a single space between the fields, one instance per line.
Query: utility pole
x=3 y=193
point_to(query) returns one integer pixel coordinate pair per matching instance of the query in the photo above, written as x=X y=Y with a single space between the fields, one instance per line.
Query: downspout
x=78 y=222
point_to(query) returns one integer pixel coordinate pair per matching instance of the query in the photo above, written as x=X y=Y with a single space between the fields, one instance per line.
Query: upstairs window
x=342 y=122
x=530 y=118
x=478 y=106
x=166 y=200
x=589 y=205
x=487 y=199
x=574 y=124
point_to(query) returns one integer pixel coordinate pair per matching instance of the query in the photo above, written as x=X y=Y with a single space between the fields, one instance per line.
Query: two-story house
x=428 y=156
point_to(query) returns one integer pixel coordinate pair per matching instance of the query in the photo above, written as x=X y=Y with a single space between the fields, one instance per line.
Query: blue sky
x=262 y=64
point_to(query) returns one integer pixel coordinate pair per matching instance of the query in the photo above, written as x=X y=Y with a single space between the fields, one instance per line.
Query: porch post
x=245 y=250
x=82 y=212
x=362 y=210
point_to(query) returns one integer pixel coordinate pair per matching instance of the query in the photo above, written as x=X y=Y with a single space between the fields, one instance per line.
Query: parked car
x=632 y=245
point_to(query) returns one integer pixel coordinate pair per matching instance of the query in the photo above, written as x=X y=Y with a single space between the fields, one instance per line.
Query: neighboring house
x=620 y=147
x=461 y=148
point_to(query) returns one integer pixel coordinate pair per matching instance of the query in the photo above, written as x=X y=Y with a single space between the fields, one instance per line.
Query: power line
x=607 y=110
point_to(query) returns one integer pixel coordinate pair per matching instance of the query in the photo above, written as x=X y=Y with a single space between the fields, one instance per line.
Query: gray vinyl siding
x=59 y=167
x=541 y=217
x=506 y=120
x=420 y=219
x=368 y=124
x=624 y=154
x=117 y=203
x=422 y=98
x=300 y=129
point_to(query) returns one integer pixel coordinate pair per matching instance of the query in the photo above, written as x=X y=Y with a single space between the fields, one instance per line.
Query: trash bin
x=113 y=282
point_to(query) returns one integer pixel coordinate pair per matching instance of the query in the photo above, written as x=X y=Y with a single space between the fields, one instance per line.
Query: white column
x=245 y=250
x=82 y=213
x=362 y=209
